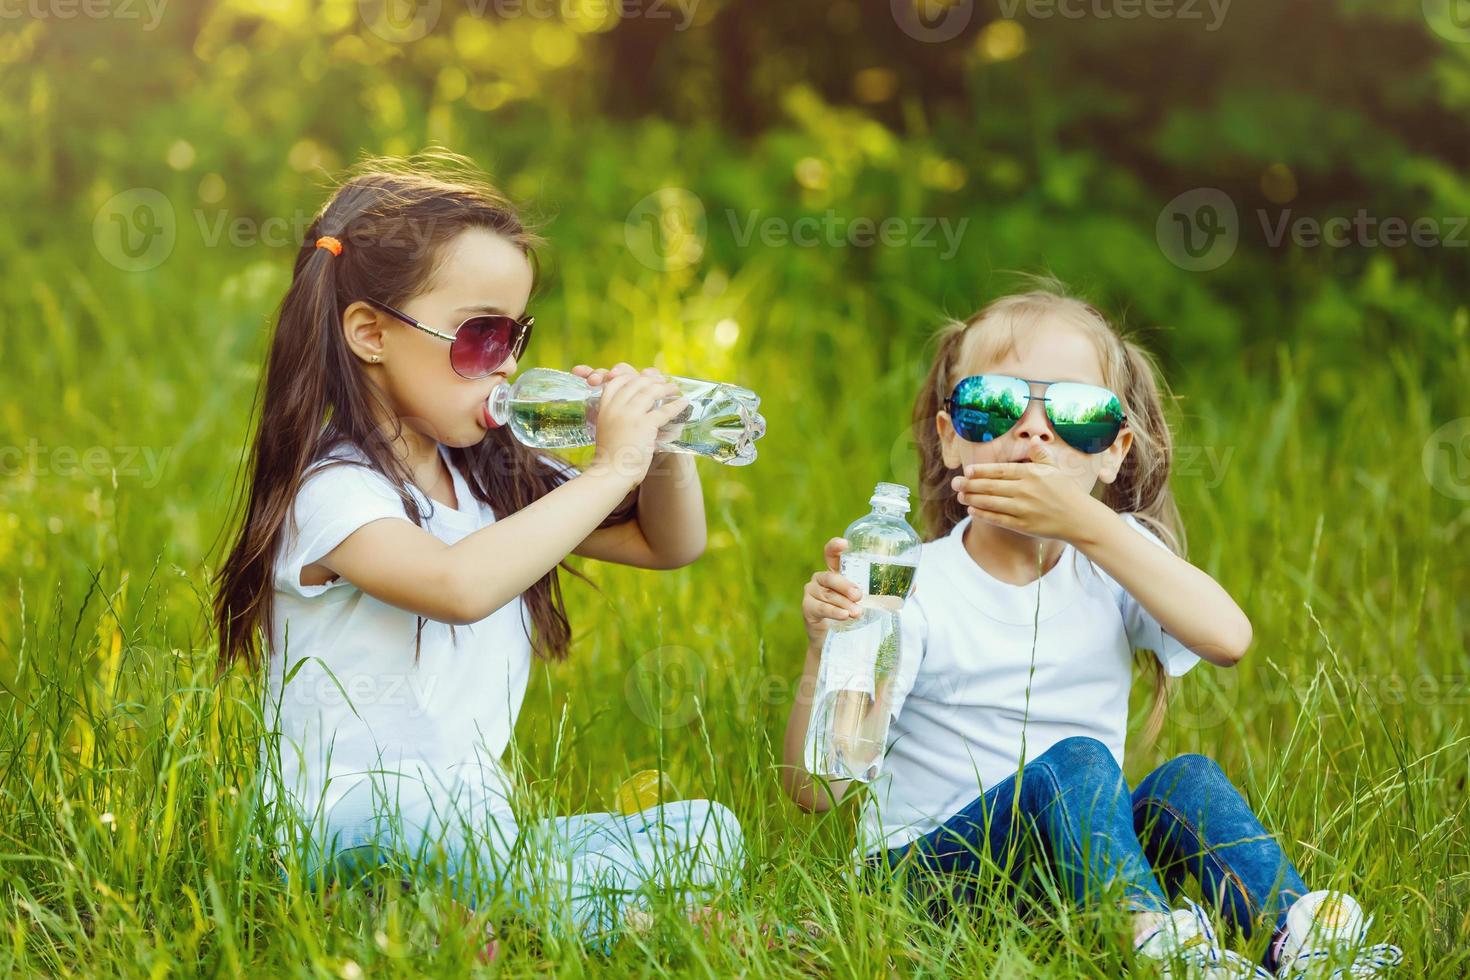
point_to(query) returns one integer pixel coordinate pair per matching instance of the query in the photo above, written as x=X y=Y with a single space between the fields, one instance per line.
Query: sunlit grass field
x=130 y=841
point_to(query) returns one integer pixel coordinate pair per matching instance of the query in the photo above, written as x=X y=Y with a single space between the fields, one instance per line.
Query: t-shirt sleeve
x=1144 y=631
x=334 y=500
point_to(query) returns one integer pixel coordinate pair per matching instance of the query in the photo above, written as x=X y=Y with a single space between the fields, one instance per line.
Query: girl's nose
x=1033 y=423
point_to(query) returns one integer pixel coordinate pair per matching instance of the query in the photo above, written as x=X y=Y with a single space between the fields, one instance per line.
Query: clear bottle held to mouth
x=551 y=409
x=852 y=705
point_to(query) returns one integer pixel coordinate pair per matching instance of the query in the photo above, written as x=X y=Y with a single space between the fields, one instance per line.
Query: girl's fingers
x=993 y=517
x=818 y=589
x=833 y=552
x=837 y=583
x=629 y=390
x=594 y=376
x=670 y=410
x=650 y=392
x=673 y=398
x=990 y=501
x=825 y=610
x=838 y=599
x=818 y=597
x=614 y=392
x=997 y=471
x=982 y=485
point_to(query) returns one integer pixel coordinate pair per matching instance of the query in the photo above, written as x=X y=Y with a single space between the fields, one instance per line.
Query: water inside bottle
x=860 y=657
x=553 y=410
x=551 y=424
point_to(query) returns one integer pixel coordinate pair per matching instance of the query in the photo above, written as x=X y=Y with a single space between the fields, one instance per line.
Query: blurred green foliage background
x=1170 y=160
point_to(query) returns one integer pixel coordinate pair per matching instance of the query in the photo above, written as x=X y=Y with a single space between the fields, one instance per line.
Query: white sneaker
x=1186 y=948
x=1326 y=938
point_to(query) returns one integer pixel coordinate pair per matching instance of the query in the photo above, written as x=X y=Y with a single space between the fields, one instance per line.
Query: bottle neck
x=498 y=407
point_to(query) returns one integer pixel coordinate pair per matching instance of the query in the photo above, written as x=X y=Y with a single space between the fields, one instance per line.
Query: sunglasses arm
x=410 y=320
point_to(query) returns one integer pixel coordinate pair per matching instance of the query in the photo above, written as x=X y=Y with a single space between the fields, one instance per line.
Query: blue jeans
x=1072 y=804
x=573 y=876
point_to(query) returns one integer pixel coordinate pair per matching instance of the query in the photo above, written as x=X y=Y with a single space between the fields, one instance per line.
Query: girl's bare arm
x=404 y=565
x=827 y=596
x=1190 y=606
x=669 y=529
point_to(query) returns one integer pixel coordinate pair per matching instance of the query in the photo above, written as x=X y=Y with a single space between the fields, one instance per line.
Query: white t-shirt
x=960 y=702
x=356 y=706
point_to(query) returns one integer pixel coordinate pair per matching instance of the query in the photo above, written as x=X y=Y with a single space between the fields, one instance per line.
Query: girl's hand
x=628 y=422
x=1036 y=498
x=596 y=376
x=828 y=595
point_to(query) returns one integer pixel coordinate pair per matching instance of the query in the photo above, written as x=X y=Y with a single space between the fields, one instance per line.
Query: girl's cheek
x=982 y=452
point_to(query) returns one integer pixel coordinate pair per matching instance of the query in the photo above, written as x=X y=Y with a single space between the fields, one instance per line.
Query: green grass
x=130 y=844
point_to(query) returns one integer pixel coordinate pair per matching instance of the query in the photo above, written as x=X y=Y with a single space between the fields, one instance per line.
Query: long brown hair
x=1142 y=485
x=393 y=217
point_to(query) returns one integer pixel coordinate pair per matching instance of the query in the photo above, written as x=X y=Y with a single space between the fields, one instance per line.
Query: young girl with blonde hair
x=1054 y=552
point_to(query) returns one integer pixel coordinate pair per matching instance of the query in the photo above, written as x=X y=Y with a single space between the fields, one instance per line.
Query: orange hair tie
x=330 y=244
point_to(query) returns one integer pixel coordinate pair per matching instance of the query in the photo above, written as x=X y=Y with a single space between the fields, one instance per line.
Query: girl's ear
x=1114 y=455
x=362 y=328
x=947 y=436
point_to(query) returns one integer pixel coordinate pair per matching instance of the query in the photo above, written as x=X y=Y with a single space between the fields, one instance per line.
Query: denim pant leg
x=1191 y=818
x=1072 y=803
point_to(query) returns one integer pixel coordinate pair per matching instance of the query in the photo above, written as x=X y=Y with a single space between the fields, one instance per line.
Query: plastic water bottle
x=860 y=657
x=551 y=409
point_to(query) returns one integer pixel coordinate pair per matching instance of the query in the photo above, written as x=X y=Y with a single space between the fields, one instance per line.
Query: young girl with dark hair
x=400 y=553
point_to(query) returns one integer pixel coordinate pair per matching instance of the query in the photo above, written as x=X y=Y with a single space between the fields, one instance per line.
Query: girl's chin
x=464 y=440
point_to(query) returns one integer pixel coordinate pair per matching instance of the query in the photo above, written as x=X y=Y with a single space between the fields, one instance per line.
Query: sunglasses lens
x=1087 y=417
x=481 y=345
x=986 y=406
